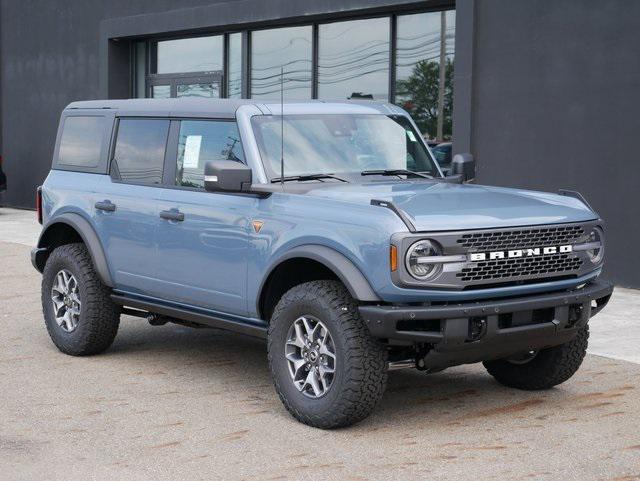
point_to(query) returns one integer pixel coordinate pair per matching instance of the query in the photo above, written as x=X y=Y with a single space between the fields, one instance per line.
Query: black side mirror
x=227 y=176
x=465 y=166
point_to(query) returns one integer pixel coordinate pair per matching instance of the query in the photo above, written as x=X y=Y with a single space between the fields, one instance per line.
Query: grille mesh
x=504 y=270
x=500 y=269
x=518 y=239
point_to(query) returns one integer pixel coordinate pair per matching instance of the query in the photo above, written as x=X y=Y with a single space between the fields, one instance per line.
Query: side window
x=201 y=141
x=81 y=141
x=140 y=148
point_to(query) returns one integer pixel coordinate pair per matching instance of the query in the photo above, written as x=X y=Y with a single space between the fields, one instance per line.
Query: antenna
x=282 y=127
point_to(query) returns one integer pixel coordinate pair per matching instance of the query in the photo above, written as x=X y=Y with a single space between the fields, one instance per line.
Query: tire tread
x=365 y=359
x=549 y=368
x=100 y=315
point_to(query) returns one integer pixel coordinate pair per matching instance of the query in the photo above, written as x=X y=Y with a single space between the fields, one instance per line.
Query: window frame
x=104 y=160
x=112 y=149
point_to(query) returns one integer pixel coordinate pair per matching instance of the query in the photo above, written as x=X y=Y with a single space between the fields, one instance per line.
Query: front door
x=202 y=237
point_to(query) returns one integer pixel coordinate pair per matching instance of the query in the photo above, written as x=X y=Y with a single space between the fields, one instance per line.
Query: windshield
x=341 y=143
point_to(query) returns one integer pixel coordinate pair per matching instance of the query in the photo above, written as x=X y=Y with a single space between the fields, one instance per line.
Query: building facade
x=541 y=93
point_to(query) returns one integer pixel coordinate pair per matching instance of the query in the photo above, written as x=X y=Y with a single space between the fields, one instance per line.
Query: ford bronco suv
x=326 y=228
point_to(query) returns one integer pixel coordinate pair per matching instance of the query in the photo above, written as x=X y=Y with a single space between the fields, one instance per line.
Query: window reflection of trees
x=422 y=87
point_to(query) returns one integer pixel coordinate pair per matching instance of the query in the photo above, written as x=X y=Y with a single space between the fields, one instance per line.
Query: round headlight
x=596 y=236
x=418 y=262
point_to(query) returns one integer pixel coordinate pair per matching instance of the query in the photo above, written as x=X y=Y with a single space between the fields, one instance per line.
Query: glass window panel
x=201 y=54
x=205 y=90
x=234 y=67
x=161 y=91
x=81 y=141
x=140 y=148
x=201 y=141
x=354 y=59
x=419 y=87
x=288 y=48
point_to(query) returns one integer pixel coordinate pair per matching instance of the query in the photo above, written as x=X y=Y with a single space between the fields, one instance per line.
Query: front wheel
x=536 y=370
x=328 y=370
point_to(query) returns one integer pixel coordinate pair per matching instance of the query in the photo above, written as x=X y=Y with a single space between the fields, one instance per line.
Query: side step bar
x=255 y=328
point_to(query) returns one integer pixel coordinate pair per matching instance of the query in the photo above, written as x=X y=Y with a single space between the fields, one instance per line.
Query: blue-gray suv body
x=327 y=228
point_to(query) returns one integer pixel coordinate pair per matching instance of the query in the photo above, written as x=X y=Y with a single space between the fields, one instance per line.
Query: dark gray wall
x=556 y=93
x=50 y=57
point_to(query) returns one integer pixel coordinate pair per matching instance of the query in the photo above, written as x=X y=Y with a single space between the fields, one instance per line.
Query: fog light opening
x=477 y=328
x=575 y=314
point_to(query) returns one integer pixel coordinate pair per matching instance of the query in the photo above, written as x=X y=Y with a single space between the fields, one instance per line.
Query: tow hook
x=417 y=362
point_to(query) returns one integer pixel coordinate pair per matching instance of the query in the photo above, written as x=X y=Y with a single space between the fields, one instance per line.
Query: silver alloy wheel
x=310 y=354
x=66 y=300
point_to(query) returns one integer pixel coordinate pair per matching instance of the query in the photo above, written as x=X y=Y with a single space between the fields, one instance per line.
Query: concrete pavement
x=177 y=403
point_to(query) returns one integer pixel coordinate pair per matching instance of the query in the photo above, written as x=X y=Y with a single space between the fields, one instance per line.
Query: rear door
x=126 y=208
x=203 y=236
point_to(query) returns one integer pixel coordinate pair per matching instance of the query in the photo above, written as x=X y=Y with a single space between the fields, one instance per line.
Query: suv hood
x=439 y=206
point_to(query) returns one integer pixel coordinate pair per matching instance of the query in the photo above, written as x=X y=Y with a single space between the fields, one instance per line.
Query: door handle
x=106 y=205
x=173 y=214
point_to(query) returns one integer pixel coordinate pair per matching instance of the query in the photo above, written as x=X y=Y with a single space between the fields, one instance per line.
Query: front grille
x=521 y=238
x=499 y=271
x=505 y=269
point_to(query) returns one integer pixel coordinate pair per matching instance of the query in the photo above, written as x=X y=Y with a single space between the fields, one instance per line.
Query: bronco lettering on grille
x=513 y=253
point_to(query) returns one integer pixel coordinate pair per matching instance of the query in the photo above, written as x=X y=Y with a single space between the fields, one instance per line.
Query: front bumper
x=458 y=333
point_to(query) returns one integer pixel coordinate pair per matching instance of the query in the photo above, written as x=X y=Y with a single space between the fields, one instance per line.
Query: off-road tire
x=99 y=316
x=361 y=370
x=548 y=368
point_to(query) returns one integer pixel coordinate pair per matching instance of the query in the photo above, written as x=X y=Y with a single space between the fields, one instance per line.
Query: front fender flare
x=89 y=237
x=347 y=272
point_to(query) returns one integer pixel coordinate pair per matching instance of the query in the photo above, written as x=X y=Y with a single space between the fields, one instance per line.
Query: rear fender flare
x=89 y=237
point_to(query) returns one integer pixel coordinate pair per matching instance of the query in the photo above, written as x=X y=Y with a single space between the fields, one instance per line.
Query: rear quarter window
x=81 y=142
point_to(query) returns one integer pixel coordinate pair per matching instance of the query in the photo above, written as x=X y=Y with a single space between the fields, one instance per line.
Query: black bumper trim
x=383 y=320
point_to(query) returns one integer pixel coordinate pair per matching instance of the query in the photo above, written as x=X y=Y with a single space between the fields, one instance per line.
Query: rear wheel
x=328 y=370
x=80 y=317
x=543 y=369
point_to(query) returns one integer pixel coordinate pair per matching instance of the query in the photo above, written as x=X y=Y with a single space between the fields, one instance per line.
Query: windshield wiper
x=307 y=177
x=396 y=172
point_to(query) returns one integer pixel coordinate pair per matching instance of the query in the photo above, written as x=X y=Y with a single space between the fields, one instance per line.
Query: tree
x=418 y=95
